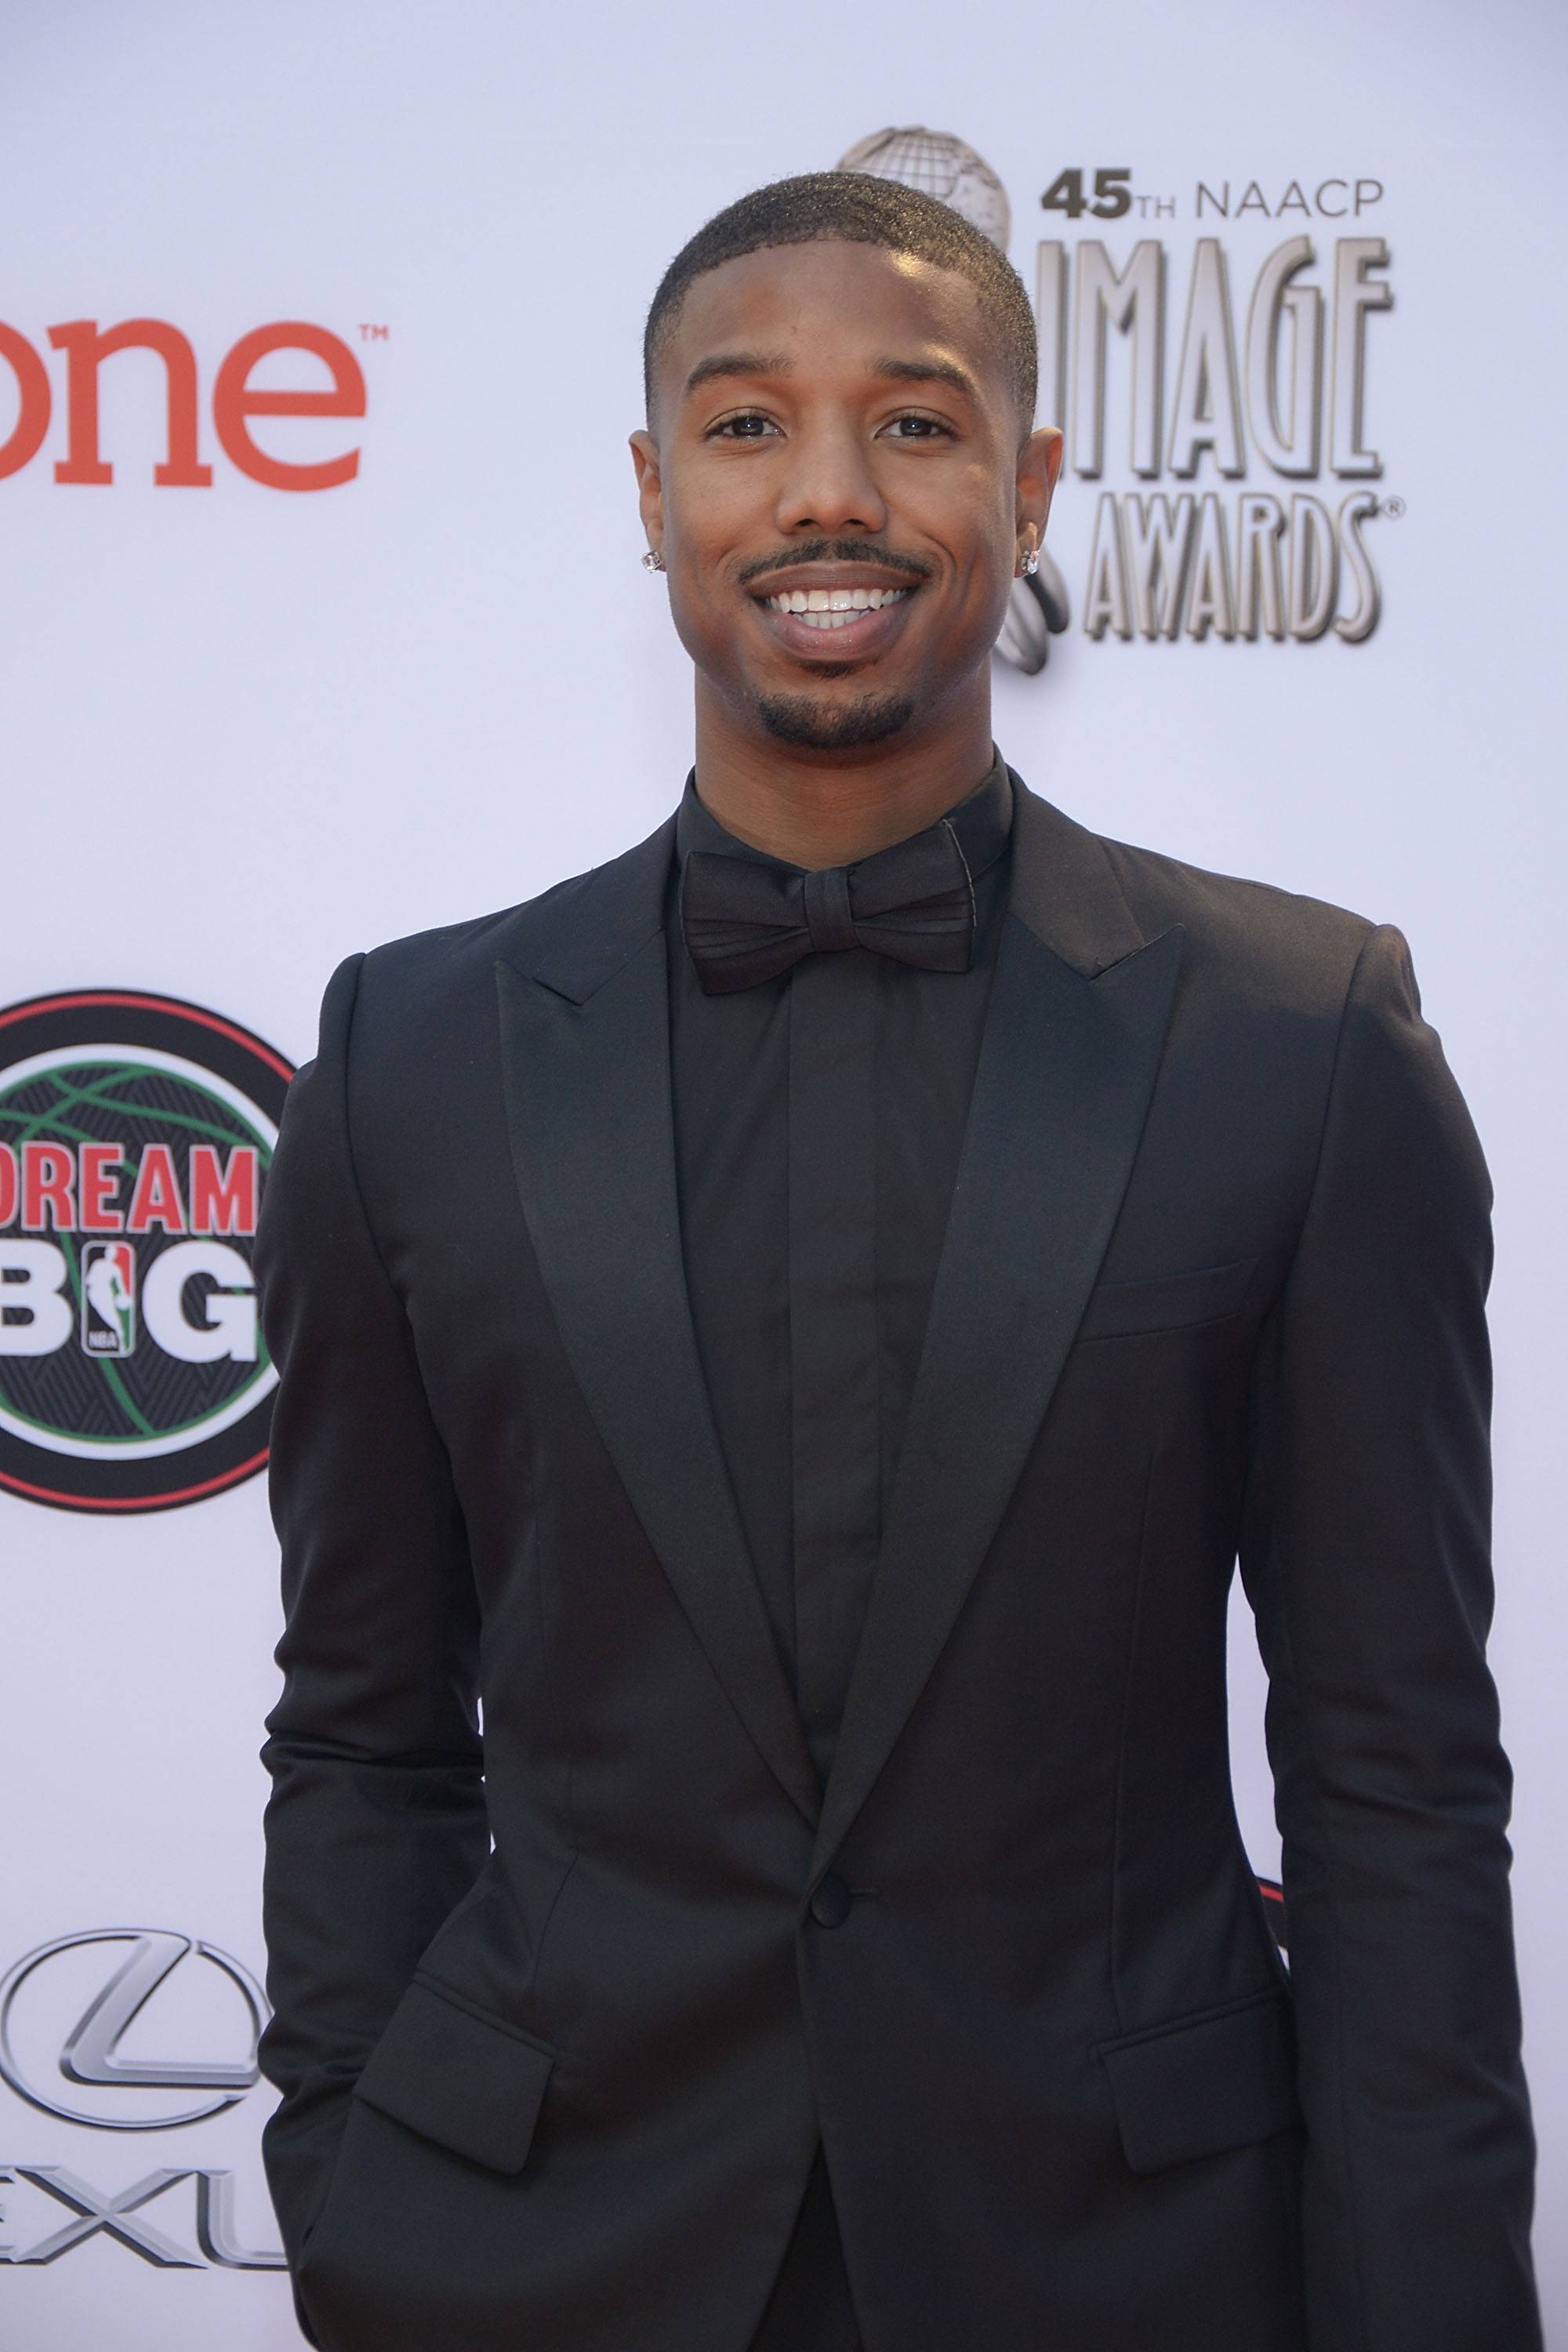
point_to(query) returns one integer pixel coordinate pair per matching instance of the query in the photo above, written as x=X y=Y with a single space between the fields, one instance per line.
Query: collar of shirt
x=983 y=821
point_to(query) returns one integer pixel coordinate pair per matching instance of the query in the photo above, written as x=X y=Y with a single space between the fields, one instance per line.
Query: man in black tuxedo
x=803 y=1319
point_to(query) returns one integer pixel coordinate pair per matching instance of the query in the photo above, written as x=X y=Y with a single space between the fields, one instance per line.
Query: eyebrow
x=932 y=371
x=926 y=371
x=723 y=364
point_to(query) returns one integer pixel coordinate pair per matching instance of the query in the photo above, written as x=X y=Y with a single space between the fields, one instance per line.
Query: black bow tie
x=745 y=920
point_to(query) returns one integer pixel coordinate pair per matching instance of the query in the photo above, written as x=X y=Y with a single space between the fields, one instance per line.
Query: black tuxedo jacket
x=557 y=2042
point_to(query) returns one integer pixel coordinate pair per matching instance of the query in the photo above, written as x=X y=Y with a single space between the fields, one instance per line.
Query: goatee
x=815 y=725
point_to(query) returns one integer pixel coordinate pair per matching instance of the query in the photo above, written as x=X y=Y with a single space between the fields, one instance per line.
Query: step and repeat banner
x=324 y=622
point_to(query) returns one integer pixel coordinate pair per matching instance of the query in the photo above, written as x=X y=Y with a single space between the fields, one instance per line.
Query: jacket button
x=832 y=1903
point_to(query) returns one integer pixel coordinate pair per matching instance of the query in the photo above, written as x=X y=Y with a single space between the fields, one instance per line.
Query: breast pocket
x=1166 y=1302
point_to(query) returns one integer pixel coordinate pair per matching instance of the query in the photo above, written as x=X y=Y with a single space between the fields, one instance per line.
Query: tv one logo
x=86 y=347
x=69 y=2012
x=136 y=1133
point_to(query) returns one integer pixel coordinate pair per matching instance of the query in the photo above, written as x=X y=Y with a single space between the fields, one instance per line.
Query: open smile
x=843 y=621
x=833 y=608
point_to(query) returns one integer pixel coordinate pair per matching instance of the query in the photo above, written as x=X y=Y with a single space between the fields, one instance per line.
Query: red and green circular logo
x=136 y=1132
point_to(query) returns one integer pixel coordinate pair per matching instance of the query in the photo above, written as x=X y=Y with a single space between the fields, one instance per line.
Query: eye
x=926 y=428
x=746 y=424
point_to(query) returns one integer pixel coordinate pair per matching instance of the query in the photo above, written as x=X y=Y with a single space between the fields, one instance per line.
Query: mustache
x=833 y=550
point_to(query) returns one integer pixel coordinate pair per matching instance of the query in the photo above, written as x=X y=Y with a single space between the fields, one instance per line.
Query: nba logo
x=108 y=1298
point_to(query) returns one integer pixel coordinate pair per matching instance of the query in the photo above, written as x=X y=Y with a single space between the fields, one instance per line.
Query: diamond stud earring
x=652 y=561
x=1031 y=563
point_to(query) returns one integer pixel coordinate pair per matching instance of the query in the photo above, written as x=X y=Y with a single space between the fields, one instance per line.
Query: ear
x=650 y=486
x=1039 y=463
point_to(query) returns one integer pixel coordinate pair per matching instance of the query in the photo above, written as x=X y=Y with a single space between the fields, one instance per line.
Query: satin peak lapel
x=587 y=1059
x=1066 y=1067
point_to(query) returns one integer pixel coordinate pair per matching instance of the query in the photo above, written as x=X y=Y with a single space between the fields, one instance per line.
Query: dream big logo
x=135 y=1137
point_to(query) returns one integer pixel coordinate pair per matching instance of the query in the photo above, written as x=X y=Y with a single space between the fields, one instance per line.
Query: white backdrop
x=248 y=729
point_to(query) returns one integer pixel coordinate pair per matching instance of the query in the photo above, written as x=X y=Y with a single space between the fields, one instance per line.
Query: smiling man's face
x=836 y=482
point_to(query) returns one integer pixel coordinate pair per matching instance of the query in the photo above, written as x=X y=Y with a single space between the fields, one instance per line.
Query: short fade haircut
x=857 y=208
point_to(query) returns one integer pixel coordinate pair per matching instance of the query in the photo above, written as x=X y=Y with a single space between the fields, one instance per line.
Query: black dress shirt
x=818 y=1121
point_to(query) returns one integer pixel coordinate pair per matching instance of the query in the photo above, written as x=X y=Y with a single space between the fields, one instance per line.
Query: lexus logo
x=103 y=1978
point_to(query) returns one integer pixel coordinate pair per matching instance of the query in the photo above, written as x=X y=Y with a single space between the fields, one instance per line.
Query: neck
x=816 y=809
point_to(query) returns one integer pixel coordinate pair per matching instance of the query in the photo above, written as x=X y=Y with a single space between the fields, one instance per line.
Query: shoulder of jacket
x=421 y=996
x=426 y=959
x=1253 y=937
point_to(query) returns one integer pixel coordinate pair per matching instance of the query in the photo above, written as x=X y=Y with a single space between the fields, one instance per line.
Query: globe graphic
x=939 y=165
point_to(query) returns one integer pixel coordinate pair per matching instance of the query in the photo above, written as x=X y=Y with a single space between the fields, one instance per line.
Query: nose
x=829 y=484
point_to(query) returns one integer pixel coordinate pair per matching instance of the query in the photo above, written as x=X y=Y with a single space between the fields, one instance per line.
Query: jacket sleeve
x=1365 y=1557
x=376 y=1823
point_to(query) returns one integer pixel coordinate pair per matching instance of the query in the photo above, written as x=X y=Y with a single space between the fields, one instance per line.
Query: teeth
x=831 y=608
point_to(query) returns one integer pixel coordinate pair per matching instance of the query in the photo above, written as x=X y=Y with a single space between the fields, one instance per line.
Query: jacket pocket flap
x=1205 y=2082
x=461 y=2077
x=1117 y=1310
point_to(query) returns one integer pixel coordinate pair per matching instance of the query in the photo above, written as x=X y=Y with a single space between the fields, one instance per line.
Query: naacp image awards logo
x=1248 y=501
x=136 y=1132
